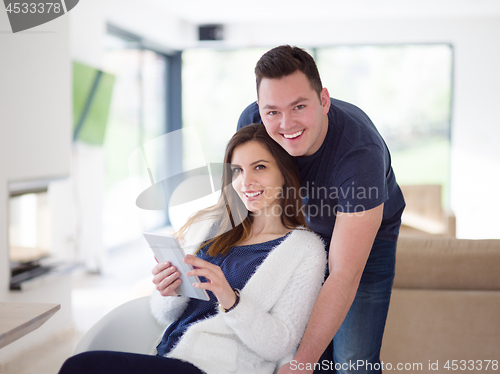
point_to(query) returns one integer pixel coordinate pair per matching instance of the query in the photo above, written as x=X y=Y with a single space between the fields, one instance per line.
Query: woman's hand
x=166 y=278
x=217 y=282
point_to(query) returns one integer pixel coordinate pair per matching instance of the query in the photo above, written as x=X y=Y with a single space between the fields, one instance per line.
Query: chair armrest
x=129 y=327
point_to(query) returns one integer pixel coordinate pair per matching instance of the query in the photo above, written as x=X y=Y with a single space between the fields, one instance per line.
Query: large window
x=405 y=89
x=216 y=86
x=137 y=115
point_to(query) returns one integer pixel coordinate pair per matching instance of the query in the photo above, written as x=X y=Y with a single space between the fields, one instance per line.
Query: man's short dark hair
x=284 y=60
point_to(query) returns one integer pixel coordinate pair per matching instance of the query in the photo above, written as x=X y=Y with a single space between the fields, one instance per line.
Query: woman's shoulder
x=302 y=249
x=304 y=232
x=306 y=239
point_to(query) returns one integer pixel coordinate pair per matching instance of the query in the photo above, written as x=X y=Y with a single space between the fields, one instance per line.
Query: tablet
x=167 y=248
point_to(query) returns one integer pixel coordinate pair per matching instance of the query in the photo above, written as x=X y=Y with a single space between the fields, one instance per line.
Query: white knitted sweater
x=267 y=325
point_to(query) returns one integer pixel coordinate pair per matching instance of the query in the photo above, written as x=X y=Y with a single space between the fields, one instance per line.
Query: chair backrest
x=129 y=327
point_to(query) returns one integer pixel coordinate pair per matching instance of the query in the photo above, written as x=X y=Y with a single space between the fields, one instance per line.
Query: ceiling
x=237 y=11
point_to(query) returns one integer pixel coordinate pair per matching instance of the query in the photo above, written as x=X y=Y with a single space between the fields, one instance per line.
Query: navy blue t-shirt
x=238 y=265
x=351 y=172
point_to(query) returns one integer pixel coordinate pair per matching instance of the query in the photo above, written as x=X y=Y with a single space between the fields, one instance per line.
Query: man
x=351 y=199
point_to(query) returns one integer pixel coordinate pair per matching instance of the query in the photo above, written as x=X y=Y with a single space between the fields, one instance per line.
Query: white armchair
x=129 y=327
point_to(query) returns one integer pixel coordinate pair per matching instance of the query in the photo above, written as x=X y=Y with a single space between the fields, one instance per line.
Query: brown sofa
x=445 y=306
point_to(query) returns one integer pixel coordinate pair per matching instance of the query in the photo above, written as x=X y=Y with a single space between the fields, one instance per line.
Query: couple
x=266 y=273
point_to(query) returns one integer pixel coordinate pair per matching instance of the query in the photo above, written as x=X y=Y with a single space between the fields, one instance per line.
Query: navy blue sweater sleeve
x=249 y=115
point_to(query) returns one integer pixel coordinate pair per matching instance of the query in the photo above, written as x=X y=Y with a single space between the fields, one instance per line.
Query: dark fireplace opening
x=29 y=231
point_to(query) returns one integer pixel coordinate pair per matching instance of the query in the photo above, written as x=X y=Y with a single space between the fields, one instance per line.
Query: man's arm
x=352 y=240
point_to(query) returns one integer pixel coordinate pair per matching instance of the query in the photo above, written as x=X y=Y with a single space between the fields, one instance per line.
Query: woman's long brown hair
x=232 y=221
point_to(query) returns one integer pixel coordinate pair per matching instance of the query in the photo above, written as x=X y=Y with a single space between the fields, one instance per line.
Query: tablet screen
x=166 y=248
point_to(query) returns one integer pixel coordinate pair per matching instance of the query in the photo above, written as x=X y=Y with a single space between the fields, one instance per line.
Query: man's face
x=293 y=114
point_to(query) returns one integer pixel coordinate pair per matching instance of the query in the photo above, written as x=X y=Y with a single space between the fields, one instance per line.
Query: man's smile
x=293 y=135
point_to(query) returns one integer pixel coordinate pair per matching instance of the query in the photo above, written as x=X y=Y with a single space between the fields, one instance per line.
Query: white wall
x=35 y=128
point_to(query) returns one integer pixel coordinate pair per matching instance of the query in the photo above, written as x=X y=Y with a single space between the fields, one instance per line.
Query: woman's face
x=256 y=177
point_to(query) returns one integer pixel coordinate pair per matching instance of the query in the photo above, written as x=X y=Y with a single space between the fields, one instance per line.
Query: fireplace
x=30 y=231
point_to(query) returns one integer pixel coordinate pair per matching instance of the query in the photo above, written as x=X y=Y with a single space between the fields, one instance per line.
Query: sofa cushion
x=424 y=326
x=447 y=264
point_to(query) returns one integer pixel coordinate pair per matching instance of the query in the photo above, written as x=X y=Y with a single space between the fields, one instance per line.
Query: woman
x=260 y=266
